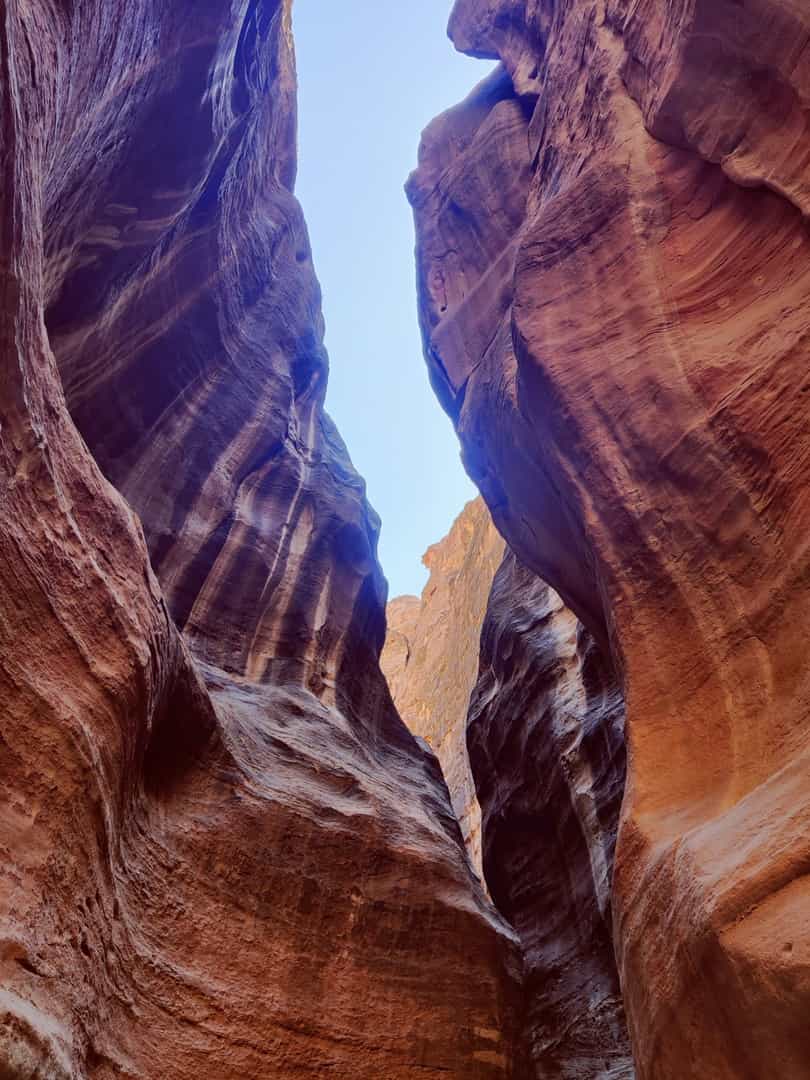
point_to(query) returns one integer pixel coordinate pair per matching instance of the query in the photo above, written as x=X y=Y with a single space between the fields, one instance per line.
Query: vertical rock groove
x=546 y=743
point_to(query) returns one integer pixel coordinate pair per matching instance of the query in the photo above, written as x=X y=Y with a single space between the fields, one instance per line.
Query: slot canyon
x=551 y=819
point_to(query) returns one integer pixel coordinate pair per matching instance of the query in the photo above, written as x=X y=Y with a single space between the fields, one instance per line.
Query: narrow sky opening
x=371 y=76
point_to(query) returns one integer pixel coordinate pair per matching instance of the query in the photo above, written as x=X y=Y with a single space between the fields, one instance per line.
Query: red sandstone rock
x=195 y=249
x=626 y=363
x=245 y=867
x=431 y=653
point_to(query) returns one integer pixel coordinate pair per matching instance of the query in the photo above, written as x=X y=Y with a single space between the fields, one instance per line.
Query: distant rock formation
x=431 y=652
x=614 y=273
x=223 y=854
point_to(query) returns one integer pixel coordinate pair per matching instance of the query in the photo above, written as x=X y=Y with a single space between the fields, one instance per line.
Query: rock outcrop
x=431 y=653
x=614 y=269
x=222 y=852
x=546 y=747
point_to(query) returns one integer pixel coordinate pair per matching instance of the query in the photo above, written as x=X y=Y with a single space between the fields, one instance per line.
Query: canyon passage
x=224 y=854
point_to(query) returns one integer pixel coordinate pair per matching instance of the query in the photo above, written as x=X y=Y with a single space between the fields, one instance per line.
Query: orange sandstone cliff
x=614 y=271
x=431 y=653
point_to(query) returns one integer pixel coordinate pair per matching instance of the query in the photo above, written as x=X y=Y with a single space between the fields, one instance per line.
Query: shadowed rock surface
x=431 y=653
x=184 y=314
x=614 y=275
x=546 y=747
x=222 y=853
x=542 y=713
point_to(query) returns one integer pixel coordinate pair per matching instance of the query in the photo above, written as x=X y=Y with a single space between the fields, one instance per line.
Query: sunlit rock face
x=431 y=651
x=614 y=275
x=223 y=855
x=546 y=747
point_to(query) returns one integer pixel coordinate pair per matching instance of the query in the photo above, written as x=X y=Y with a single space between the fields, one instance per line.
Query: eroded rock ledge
x=613 y=273
x=222 y=853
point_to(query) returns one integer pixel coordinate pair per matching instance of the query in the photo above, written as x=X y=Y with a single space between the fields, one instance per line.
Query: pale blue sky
x=371 y=75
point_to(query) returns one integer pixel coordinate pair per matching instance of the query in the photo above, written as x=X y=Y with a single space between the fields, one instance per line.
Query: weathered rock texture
x=614 y=275
x=546 y=746
x=184 y=315
x=431 y=653
x=547 y=752
x=223 y=854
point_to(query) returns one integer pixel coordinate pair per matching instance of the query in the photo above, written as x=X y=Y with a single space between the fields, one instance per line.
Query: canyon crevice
x=223 y=852
x=431 y=653
x=490 y=659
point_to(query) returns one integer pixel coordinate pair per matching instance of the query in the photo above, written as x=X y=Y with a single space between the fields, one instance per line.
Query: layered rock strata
x=546 y=746
x=431 y=653
x=613 y=271
x=222 y=853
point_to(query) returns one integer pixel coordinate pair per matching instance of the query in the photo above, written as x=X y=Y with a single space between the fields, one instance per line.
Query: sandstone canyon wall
x=222 y=853
x=431 y=653
x=614 y=271
x=542 y=713
x=546 y=745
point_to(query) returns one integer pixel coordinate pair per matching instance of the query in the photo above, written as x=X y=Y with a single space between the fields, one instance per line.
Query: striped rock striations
x=614 y=271
x=431 y=653
x=222 y=852
x=546 y=747
x=194 y=248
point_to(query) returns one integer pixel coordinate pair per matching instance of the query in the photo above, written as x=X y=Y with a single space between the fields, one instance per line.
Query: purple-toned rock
x=546 y=746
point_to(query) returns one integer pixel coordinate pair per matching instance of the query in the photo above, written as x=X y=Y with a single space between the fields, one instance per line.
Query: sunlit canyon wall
x=613 y=275
x=431 y=653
